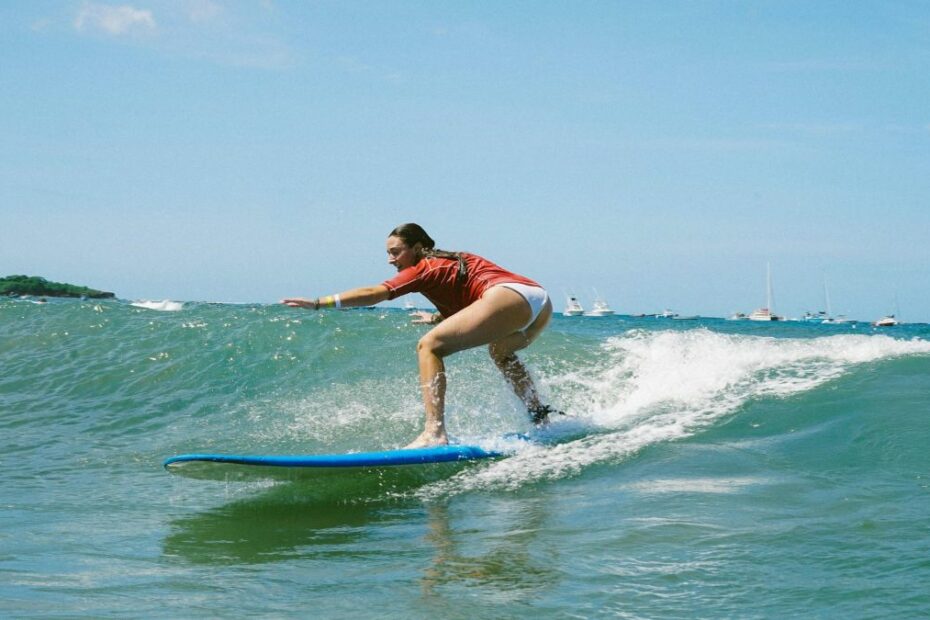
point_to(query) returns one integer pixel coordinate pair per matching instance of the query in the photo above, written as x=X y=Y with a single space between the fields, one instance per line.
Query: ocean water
x=711 y=469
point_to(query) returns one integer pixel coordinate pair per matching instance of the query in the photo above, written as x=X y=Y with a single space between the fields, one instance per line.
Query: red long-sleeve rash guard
x=435 y=278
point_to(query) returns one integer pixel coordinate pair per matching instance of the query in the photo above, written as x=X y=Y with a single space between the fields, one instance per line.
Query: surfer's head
x=406 y=245
x=412 y=234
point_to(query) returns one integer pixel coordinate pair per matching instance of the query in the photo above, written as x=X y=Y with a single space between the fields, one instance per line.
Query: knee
x=429 y=345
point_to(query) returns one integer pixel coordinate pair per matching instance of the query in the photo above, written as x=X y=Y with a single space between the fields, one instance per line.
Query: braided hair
x=412 y=234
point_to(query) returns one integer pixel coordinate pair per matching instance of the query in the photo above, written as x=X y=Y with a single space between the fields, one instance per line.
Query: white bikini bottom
x=535 y=296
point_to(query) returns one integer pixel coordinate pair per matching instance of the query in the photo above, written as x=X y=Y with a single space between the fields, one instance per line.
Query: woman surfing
x=479 y=303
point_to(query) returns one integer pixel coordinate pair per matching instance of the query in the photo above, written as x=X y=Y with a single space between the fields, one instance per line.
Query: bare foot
x=427 y=439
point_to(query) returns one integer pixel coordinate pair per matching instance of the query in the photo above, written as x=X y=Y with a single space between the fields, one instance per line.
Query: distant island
x=34 y=285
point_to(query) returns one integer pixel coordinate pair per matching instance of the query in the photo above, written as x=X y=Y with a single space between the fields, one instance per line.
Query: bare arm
x=364 y=296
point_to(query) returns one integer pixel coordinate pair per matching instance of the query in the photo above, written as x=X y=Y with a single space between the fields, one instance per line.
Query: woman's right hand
x=423 y=317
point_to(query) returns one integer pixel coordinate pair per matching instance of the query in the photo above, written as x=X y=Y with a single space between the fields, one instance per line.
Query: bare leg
x=519 y=379
x=433 y=386
x=503 y=352
x=497 y=315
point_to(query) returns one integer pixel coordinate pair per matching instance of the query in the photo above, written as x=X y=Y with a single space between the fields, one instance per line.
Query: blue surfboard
x=253 y=467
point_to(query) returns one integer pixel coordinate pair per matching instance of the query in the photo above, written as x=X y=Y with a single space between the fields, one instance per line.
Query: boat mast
x=768 y=281
x=826 y=297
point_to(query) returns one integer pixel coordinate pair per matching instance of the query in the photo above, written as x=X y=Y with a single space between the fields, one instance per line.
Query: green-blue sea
x=714 y=469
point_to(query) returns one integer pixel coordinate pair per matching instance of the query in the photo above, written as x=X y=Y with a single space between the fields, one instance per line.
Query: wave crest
x=643 y=388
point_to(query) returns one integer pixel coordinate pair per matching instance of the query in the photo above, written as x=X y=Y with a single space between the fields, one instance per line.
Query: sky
x=661 y=153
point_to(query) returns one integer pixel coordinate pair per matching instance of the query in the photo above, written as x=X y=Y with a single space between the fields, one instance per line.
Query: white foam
x=165 y=305
x=643 y=388
x=719 y=486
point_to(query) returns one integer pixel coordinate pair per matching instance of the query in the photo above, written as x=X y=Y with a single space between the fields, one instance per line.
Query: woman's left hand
x=300 y=302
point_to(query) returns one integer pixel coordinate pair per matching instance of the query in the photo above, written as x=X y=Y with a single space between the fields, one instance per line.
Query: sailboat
x=766 y=313
x=829 y=319
x=816 y=317
x=572 y=307
x=601 y=308
x=822 y=316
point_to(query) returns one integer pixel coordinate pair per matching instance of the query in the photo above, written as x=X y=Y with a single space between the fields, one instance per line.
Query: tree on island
x=34 y=285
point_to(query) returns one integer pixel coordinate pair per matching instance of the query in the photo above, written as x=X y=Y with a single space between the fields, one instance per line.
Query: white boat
x=738 y=316
x=766 y=313
x=821 y=316
x=815 y=317
x=763 y=314
x=886 y=321
x=665 y=314
x=601 y=307
x=573 y=307
x=828 y=318
x=889 y=320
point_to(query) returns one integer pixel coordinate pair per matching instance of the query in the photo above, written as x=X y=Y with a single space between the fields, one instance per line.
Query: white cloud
x=114 y=20
x=209 y=30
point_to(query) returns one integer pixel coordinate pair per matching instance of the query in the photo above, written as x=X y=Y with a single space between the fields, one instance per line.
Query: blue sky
x=662 y=152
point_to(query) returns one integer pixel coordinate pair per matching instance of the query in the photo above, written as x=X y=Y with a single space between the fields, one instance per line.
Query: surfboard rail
x=379 y=458
x=228 y=467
